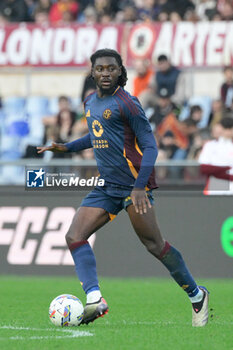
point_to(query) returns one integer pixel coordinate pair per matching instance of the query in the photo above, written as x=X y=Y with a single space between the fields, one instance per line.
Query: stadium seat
x=75 y=103
x=18 y=128
x=13 y=132
x=14 y=105
x=12 y=174
x=53 y=106
x=37 y=105
x=35 y=135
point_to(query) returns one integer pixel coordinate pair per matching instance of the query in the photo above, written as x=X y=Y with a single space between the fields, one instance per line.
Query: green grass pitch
x=144 y=314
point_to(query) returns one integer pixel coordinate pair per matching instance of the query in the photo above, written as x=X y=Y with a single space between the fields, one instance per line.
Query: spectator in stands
x=205 y=9
x=85 y=3
x=200 y=137
x=170 y=78
x=41 y=17
x=106 y=19
x=163 y=107
x=196 y=113
x=217 y=112
x=226 y=90
x=89 y=16
x=149 y=11
x=128 y=14
x=62 y=130
x=191 y=16
x=216 y=131
x=63 y=104
x=163 y=17
x=105 y=7
x=217 y=161
x=215 y=17
x=175 y=136
x=64 y=124
x=179 y=6
x=14 y=10
x=43 y=5
x=60 y=8
x=175 y=17
x=226 y=11
x=141 y=81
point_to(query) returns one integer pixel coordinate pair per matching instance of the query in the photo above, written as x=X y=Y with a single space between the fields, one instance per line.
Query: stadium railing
x=170 y=174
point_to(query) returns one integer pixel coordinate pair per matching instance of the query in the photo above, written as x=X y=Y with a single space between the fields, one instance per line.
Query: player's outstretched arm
x=74 y=146
x=55 y=147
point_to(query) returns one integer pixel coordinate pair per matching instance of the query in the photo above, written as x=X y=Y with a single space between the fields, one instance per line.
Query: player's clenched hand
x=55 y=147
x=140 y=200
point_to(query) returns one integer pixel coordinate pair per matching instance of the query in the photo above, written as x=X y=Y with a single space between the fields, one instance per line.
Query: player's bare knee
x=154 y=248
x=72 y=236
x=69 y=238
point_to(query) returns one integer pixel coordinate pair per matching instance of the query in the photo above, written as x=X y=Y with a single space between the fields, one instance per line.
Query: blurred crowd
x=181 y=123
x=111 y=11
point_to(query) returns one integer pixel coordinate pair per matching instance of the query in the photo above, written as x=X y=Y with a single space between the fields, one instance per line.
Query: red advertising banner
x=29 y=45
x=203 y=44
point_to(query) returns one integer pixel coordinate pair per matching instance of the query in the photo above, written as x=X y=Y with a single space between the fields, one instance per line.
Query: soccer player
x=125 y=151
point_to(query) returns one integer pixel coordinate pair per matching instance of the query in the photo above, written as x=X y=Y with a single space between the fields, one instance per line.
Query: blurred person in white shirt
x=216 y=161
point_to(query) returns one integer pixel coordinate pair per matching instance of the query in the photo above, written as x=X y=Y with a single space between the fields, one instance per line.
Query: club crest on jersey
x=107 y=113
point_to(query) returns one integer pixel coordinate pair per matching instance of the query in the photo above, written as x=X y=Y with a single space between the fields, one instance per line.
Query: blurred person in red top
x=143 y=76
x=61 y=7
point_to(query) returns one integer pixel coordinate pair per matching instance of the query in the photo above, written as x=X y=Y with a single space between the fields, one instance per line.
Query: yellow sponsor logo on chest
x=97 y=128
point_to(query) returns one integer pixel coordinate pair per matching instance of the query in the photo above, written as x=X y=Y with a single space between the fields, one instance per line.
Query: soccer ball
x=66 y=310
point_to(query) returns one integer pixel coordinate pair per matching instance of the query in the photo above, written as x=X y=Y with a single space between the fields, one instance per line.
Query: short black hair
x=189 y=122
x=195 y=108
x=63 y=98
x=111 y=53
x=227 y=122
x=162 y=58
x=227 y=68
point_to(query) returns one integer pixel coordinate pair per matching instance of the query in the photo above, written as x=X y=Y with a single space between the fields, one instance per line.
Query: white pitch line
x=38 y=329
x=75 y=335
x=66 y=333
x=161 y=323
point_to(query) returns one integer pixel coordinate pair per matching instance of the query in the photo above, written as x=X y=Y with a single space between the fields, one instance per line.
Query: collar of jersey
x=108 y=95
